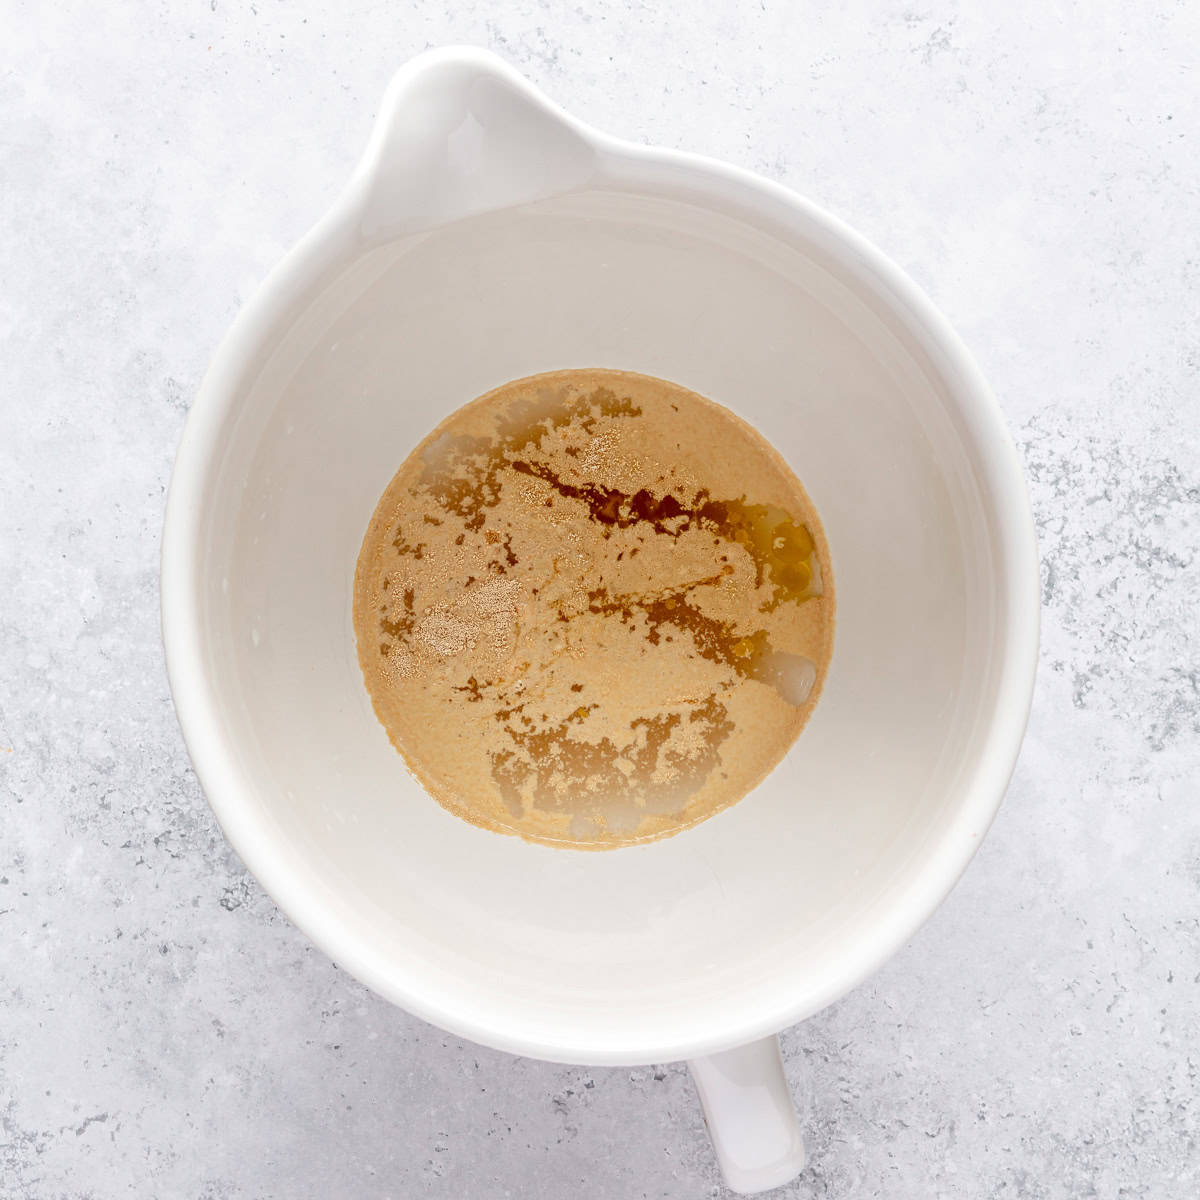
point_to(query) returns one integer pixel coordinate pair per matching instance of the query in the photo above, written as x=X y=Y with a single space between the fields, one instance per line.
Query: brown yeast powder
x=593 y=608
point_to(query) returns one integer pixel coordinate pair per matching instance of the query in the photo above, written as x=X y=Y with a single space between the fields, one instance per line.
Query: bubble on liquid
x=791 y=675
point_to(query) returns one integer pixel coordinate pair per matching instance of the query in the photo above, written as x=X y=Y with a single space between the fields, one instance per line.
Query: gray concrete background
x=165 y=1032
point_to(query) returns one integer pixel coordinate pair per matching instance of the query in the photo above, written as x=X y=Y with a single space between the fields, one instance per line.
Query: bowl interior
x=762 y=913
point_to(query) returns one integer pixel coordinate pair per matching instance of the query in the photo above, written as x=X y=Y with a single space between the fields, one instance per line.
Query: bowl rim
x=214 y=755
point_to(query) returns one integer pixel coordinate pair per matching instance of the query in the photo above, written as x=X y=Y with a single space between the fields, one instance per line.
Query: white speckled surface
x=164 y=1032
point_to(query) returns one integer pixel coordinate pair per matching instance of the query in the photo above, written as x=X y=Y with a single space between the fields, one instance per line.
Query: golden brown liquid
x=593 y=608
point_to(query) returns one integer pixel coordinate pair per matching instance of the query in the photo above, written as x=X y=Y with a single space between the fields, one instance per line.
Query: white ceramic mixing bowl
x=487 y=235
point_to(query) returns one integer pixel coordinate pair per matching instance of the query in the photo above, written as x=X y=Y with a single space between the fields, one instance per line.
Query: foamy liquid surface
x=593 y=608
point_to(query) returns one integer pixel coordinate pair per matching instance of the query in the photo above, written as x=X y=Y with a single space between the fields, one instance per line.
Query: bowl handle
x=460 y=133
x=750 y=1116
